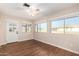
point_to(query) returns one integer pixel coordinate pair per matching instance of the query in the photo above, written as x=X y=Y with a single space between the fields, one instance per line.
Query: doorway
x=13 y=31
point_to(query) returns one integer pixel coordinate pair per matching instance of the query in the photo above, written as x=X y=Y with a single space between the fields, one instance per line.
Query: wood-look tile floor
x=32 y=48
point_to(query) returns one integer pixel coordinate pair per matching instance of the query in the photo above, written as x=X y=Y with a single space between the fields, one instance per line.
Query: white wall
x=2 y=31
x=3 y=34
x=65 y=41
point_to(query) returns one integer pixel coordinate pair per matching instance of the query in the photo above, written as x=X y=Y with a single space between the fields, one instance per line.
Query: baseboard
x=13 y=42
x=3 y=44
x=59 y=47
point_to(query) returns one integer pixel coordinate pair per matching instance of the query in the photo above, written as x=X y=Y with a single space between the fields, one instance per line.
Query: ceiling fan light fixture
x=32 y=10
x=26 y=5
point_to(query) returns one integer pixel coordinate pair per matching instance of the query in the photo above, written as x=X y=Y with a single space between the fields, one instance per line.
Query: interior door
x=12 y=31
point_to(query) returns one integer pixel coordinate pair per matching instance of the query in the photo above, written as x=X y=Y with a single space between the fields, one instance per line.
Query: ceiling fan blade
x=26 y=5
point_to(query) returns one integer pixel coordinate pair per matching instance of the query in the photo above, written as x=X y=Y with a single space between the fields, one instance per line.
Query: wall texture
x=3 y=34
x=65 y=41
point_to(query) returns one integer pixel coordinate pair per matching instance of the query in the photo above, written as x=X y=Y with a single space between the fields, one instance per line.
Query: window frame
x=38 y=27
x=59 y=19
x=26 y=27
x=64 y=19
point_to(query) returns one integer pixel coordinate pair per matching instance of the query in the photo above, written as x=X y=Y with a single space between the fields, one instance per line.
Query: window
x=26 y=28
x=36 y=28
x=69 y=25
x=72 y=25
x=12 y=27
x=58 y=26
x=29 y=27
x=39 y=28
x=42 y=27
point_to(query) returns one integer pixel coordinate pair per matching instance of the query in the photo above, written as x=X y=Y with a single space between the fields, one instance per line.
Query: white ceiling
x=46 y=9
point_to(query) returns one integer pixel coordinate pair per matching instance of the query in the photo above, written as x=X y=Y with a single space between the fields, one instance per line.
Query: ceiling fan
x=26 y=5
x=32 y=10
